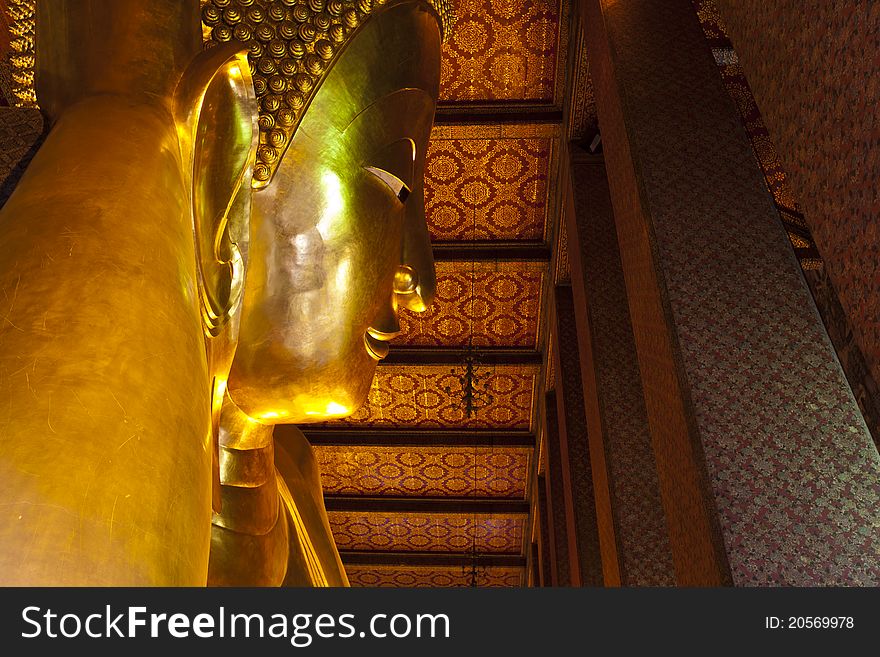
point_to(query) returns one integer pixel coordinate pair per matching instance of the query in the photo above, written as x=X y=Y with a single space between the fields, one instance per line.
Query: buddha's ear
x=215 y=110
x=216 y=113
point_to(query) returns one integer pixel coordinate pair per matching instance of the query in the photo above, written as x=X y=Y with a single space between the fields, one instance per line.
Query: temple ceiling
x=482 y=183
x=414 y=531
x=426 y=471
x=501 y=50
x=431 y=576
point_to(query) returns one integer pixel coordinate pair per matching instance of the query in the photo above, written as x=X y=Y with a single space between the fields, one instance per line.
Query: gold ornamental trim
x=21 y=15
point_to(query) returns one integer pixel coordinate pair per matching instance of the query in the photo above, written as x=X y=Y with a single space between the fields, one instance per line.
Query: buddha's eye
x=395 y=184
x=393 y=165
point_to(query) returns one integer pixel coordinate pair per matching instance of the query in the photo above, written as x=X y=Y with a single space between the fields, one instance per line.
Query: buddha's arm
x=299 y=475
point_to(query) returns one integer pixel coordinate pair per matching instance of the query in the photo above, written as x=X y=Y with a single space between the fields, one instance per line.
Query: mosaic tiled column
x=812 y=68
x=534 y=565
x=583 y=539
x=632 y=525
x=767 y=472
x=556 y=497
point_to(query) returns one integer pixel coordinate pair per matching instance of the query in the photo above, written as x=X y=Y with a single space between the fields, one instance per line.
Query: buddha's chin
x=314 y=399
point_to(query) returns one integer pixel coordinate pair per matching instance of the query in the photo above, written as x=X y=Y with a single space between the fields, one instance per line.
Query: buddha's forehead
x=381 y=88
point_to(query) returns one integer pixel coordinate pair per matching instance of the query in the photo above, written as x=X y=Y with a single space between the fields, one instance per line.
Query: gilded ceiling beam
x=439 y=560
x=455 y=356
x=500 y=251
x=494 y=114
x=478 y=506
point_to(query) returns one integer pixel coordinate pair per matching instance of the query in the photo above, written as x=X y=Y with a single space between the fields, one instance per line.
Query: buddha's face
x=338 y=238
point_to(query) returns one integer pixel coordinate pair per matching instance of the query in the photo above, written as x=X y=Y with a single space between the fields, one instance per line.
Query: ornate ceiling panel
x=482 y=186
x=496 y=131
x=428 y=532
x=501 y=50
x=432 y=576
x=415 y=397
x=424 y=471
x=495 y=304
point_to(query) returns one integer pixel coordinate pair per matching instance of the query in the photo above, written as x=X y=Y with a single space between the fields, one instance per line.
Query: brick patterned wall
x=862 y=382
x=695 y=536
x=812 y=67
x=730 y=345
x=616 y=418
x=833 y=315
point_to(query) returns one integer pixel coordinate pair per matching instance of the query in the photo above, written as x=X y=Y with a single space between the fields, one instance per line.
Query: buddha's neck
x=239 y=432
x=249 y=492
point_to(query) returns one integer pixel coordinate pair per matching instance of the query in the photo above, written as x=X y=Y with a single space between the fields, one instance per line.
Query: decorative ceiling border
x=562 y=45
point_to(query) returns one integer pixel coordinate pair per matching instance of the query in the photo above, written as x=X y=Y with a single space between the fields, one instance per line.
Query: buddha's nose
x=414 y=280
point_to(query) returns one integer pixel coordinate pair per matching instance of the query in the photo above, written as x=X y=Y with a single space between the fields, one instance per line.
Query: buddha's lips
x=377 y=348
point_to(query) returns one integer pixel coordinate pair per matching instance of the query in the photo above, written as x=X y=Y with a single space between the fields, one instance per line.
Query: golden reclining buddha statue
x=214 y=237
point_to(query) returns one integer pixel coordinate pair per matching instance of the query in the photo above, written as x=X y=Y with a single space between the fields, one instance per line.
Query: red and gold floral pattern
x=493 y=304
x=487 y=188
x=739 y=90
x=424 y=471
x=501 y=50
x=428 y=532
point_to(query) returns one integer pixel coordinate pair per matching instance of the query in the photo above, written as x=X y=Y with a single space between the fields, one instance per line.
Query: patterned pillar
x=767 y=472
x=556 y=497
x=544 y=528
x=632 y=526
x=583 y=539
x=812 y=67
